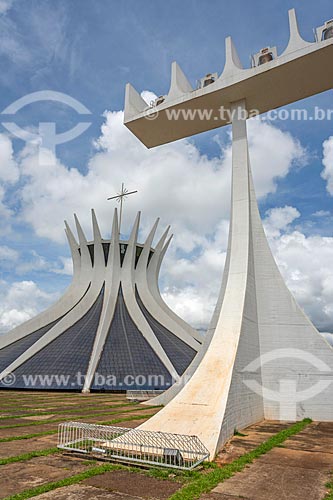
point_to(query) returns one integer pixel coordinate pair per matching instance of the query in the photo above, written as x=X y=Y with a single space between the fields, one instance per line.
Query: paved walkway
x=298 y=470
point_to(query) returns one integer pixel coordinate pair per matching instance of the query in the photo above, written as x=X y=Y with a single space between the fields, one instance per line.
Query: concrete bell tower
x=262 y=357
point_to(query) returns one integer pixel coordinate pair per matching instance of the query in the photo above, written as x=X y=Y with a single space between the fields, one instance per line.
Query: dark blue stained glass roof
x=66 y=357
x=128 y=361
x=180 y=353
x=11 y=352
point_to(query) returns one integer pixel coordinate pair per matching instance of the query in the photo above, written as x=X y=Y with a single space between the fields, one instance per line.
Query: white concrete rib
x=128 y=287
x=89 y=278
x=154 y=267
x=112 y=283
x=67 y=301
x=78 y=311
x=296 y=42
x=151 y=304
x=179 y=83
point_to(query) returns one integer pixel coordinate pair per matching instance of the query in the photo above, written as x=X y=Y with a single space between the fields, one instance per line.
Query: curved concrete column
x=154 y=267
x=148 y=298
x=112 y=283
x=97 y=265
x=205 y=397
x=67 y=301
x=128 y=287
x=80 y=309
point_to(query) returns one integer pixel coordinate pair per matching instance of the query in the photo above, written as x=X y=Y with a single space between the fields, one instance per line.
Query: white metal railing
x=141 y=395
x=133 y=445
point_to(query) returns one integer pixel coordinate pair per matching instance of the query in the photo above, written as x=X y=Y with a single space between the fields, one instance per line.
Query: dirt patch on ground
x=24 y=431
x=137 y=485
x=15 y=448
x=16 y=478
x=83 y=492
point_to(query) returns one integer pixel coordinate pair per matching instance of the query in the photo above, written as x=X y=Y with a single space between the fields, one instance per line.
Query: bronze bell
x=208 y=80
x=159 y=100
x=328 y=33
x=265 y=58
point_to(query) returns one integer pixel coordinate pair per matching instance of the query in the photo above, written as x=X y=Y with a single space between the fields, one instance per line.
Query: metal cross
x=120 y=197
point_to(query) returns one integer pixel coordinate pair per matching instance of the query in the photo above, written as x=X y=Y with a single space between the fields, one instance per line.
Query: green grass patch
x=32 y=403
x=329 y=485
x=28 y=456
x=94 y=471
x=196 y=483
x=63 y=419
x=237 y=433
x=27 y=436
x=64 y=411
x=48 y=433
x=130 y=419
x=206 y=482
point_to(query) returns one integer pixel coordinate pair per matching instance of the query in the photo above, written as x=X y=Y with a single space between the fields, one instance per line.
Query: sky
x=88 y=50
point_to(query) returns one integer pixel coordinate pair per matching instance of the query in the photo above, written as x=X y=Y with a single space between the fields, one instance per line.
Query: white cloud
x=35 y=262
x=5 y=5
x=148 y=96
x=188 y=190
x=9 y=171
x=5 y=213
x=279 y=218
x=321 y=213
x=8 y=254
x=327 y=173
x=305 y=263
x=192 y=193
x=65 y=267
x=21 y=301
x=34 y=36
x=273 y=154
x=175 y=181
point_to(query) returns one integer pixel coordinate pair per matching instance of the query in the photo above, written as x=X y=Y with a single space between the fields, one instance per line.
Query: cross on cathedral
x=120 y=197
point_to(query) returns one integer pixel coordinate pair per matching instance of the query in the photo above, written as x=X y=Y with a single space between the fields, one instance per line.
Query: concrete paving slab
x=24 y=431
x=14 y=448
x=262 y=481
x=313 y=444
x=296 y=458
x=16 y=478
x=252 y=437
